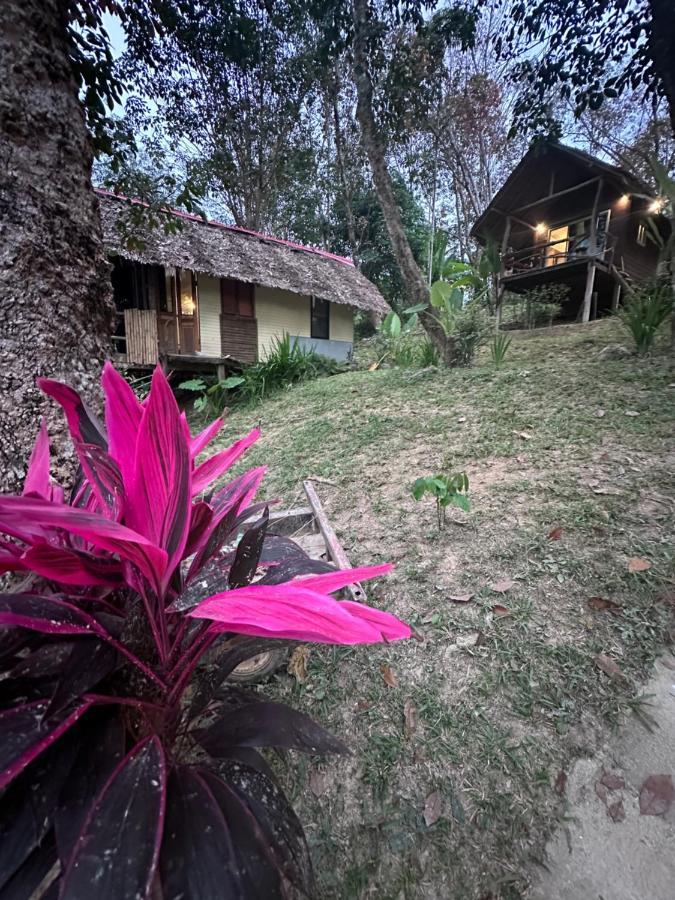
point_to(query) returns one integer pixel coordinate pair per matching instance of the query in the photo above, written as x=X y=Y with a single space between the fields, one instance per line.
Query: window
x=642 y=235
x=236 y=298
x=320 y=319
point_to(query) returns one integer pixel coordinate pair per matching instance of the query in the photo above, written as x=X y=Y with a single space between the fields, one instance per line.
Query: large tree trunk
x=415 y=284
x=662 y=52
x=55 y=300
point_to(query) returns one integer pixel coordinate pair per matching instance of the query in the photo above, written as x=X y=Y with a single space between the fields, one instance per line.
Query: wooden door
x=178 y=314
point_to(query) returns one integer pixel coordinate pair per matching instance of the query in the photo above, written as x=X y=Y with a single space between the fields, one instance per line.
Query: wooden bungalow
x=208 y=295
x=565 y=217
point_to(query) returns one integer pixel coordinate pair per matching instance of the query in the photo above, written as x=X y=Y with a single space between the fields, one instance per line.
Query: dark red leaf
x=433 y=808
x=28 y=878
x=500 y=610
x=68 y=566
x=389 y=675
x=26 y=733
x=248 y=553
x=609 y=667
x=656 y=795
x=210 y=848
x=90 y=661
x=46 y=614
x=269 y=724
x=82 y=423
x=200 y=519
x=118 y=846
x=555 y=534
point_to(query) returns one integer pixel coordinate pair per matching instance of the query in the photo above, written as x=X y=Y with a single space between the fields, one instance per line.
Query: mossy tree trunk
x=55 y=296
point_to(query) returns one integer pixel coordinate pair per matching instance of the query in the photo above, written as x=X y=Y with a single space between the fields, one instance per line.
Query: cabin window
x=320 y=319
x=642 y=235
x=236 y=298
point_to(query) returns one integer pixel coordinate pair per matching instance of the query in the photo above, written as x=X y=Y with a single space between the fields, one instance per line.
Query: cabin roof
x=529 y=181
x=226 y=251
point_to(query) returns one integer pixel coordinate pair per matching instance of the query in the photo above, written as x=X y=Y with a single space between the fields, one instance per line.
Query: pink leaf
x=37 y=476
x=71 y=566
x=83 y=425
x=333 y=581
x=201 y=440
x=123 y=413
x=656 y=795
x=159 y=499
x=37 y=518
x=214 y=466
x=293 y=611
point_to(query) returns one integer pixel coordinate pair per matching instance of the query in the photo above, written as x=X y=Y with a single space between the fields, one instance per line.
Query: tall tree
x=409 y=77
x=55 y=295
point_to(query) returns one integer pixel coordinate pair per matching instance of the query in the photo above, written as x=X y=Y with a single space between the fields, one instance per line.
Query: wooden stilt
x=616 y=296
x=588 y=294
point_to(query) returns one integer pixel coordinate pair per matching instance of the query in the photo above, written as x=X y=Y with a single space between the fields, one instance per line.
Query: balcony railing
x=555 y=253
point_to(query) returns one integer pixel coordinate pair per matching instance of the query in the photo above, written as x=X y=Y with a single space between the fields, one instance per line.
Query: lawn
x=570 y=461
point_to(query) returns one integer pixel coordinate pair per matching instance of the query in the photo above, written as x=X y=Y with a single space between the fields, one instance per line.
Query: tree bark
x=415 y=284
x=55 y=295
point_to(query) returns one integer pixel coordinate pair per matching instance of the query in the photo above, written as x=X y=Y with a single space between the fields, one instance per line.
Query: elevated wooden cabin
x=206 y=295
x=565 y=217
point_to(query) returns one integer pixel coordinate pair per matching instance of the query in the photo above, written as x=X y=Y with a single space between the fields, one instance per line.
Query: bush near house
x=124 y=765
x=644 y=311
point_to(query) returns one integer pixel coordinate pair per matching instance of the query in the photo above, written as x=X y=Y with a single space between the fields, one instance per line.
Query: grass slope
x=497 y=705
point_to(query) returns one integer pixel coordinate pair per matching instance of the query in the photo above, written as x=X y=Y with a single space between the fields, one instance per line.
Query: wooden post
x=593 y=239
x=616 y=296
x=588 y=294
x=500 y=289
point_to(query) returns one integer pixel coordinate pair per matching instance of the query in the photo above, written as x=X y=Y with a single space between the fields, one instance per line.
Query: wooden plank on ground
x=335 y=550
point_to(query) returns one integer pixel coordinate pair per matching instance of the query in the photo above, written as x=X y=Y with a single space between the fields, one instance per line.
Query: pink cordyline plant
x=128 y=767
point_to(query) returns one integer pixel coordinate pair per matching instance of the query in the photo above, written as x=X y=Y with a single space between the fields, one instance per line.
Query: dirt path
x=597 y=858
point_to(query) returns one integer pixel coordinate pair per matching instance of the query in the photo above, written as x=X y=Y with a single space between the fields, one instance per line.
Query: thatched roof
x=228 y=252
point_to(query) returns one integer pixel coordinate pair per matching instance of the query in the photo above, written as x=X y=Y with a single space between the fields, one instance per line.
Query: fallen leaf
x=525 y=435
x=604 y=456
x=317 y=783
x=460 y=598
x=373 y=366
x=388 y=675
x=608 y=666
x=612 y=782
x=616 y=811
x=599 y=413
x=433 y=807
x=637 y=564
x=363 y=705
x=462 y=419
x=601 y=791
x=602 y=604
x=555 y=534
x=501 y=587
x=469 y=639
x=297 y=664
x=632 y=413
x=410 y=718
x=560 y=785
x=656 y=795
x=500 y=610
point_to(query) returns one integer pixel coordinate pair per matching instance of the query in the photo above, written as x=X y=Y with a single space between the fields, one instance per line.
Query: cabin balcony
x=554 y=261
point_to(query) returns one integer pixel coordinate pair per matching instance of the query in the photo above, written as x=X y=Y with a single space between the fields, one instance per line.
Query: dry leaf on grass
x=388 y=675
x=460 y=598
x=317 y=783
x=656 y=795
x=410 y=718
x=501 y=587
x=612 y=782
x=637 y=564
x=525 y=435
x=560 y=785
x=602 y=604
x=632 y=413
x=599 y=413
x=297 y=664
x=555 y=534
x=433 y=807
x=616 y=812
x=500 y=610
x=609 y=667
x=363 y=705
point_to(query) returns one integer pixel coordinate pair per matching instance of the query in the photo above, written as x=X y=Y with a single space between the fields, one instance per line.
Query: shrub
x=213 y=393
x=644 y=311
x=447 y=490
x=499 y=348
x=471 y=329
x=127 y=769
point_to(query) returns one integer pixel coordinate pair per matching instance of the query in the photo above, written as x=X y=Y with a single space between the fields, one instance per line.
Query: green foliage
x=286 y=363
x=499 y=348
x=213 y=393
x=447 y=490
x=643 y=313
x=471 y=330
